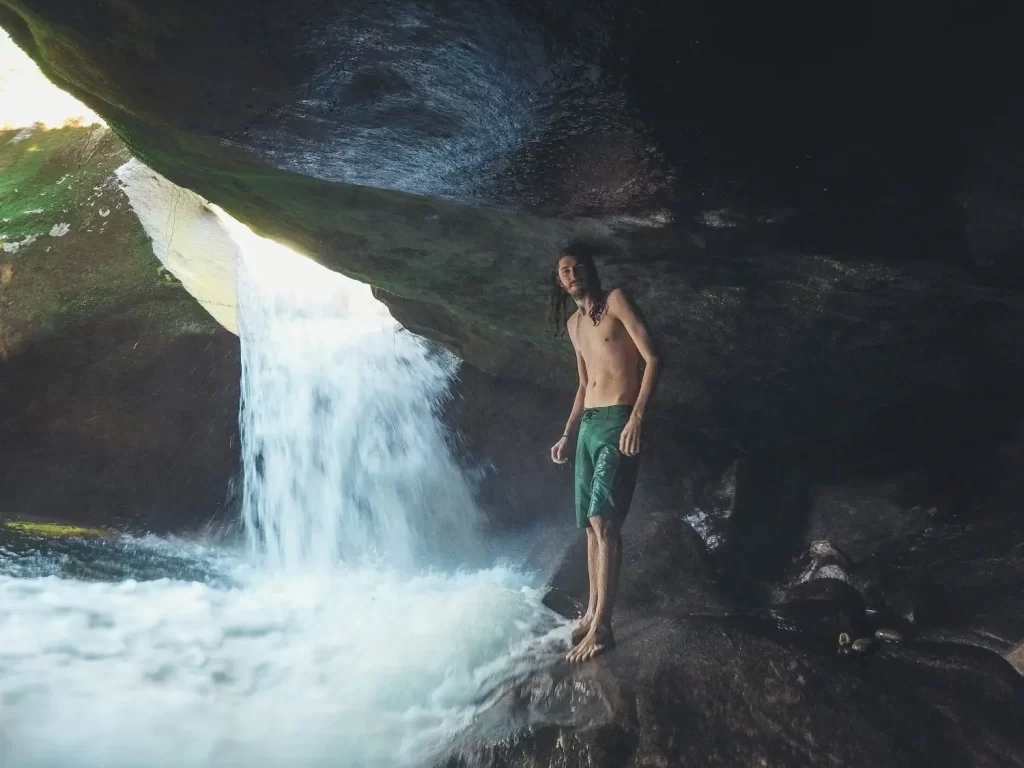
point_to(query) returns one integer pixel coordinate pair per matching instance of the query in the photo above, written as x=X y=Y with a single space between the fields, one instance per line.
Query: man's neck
x=585 y=303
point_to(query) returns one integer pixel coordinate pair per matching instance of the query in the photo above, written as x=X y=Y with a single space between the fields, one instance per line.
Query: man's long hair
x=561 y=302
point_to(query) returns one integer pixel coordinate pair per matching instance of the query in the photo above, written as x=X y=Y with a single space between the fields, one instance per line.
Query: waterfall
x=335 y=640
x=345 y=457
x=344 y=454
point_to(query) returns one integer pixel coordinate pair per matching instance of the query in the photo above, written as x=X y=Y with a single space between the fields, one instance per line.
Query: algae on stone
x=72 y=252
x=54 y=530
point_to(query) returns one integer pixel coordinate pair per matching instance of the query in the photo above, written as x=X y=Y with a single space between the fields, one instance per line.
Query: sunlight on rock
x=27 y=98
x=188 y=237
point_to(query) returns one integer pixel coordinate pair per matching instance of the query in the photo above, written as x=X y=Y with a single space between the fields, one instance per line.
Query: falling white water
x=337 y=645
x=345 y=457
x=158 y=654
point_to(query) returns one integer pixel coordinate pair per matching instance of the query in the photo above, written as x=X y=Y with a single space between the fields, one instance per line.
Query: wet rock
x=861 y=644
x=119 y=403
x=825 y=561
x=962 y=577
x=773 y=264
x=847 y=646
x=1016 y=658
x=861 y=518
x=709 y=501
x=681 y=692
x=819 y=609
x=888 y=635
x=665 y=570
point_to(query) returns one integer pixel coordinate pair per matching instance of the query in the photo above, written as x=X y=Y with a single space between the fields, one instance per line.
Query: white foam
x=355 y=668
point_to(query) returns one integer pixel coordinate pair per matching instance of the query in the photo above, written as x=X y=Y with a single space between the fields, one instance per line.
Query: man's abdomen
x=612 y=389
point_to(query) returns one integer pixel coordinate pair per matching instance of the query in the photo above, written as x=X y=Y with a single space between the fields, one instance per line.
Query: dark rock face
x=698 y=679
x=731 y=654
x=118 y=393
x=861 y=519
x=697 y=694
x=817 y=219
x=108 y=426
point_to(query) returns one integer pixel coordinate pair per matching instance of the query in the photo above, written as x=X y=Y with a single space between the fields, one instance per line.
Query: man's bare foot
x=581 y=628
x=596 y=642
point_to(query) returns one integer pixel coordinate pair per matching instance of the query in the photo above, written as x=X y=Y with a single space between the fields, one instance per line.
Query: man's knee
x=603 y=529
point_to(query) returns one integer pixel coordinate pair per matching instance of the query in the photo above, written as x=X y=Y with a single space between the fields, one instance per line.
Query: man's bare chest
x=597 y=342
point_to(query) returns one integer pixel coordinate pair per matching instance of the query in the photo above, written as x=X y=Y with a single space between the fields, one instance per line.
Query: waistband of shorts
x=607 y=412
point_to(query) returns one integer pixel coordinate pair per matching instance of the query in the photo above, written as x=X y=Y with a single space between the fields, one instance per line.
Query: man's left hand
x=629 y=440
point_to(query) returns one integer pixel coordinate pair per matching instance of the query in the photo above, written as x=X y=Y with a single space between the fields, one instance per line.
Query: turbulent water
x=216 y=663
x=345 y=459
x=349 y=628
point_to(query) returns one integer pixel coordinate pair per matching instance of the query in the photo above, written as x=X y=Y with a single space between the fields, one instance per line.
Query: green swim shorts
x=605 y=479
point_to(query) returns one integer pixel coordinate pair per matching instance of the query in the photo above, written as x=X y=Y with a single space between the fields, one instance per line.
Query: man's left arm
x=622 y=308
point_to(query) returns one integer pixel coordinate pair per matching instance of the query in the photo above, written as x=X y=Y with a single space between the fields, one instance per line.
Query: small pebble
x=861 y=644
x=889 y=635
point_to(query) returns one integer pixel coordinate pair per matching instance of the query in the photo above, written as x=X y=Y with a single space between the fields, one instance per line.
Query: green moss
x=103 y=268
x=54 y=530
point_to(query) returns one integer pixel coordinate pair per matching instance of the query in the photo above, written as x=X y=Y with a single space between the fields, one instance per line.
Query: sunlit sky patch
x=27 y=98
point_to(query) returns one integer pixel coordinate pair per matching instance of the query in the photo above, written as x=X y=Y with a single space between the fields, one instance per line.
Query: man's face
x=573 y=276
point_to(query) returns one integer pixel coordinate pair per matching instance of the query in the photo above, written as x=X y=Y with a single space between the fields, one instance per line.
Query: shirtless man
x=610 y=341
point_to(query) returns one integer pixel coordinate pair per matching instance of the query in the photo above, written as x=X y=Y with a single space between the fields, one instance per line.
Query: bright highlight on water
x=347 y=632
x=345 y=458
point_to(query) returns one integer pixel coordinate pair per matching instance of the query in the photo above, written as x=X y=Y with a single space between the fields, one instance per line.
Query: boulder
x=664 y=571
x=801 y=276
x=118 y=393
x=862 y=519
x=689 y=692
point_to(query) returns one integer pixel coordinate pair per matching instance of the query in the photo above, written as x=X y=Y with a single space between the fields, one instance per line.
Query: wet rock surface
x=696 y=692
x=901 y=654
x=118 y=393
x=838 y=246
x=702 y=678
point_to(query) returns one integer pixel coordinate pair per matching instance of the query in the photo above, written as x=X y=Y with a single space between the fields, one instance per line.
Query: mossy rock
x=118 y=392
x=55 y=530
x=73 y=251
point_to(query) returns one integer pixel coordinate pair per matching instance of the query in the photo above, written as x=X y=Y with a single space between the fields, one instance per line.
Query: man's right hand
x=559 y=454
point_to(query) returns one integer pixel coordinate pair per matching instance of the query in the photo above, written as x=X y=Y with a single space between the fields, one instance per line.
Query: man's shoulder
x=572 y=321
x=617 y=298
x=617 y=292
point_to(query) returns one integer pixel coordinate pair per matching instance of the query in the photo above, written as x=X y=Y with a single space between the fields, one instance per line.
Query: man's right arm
x=581 y=392
x=558 y=450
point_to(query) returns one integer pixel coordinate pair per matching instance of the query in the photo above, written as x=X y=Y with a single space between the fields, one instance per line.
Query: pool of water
x=158 y=652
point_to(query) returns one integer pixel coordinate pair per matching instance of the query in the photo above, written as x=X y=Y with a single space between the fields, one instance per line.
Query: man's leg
x=599 y=637
x=584 y=487
x=582 y=625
